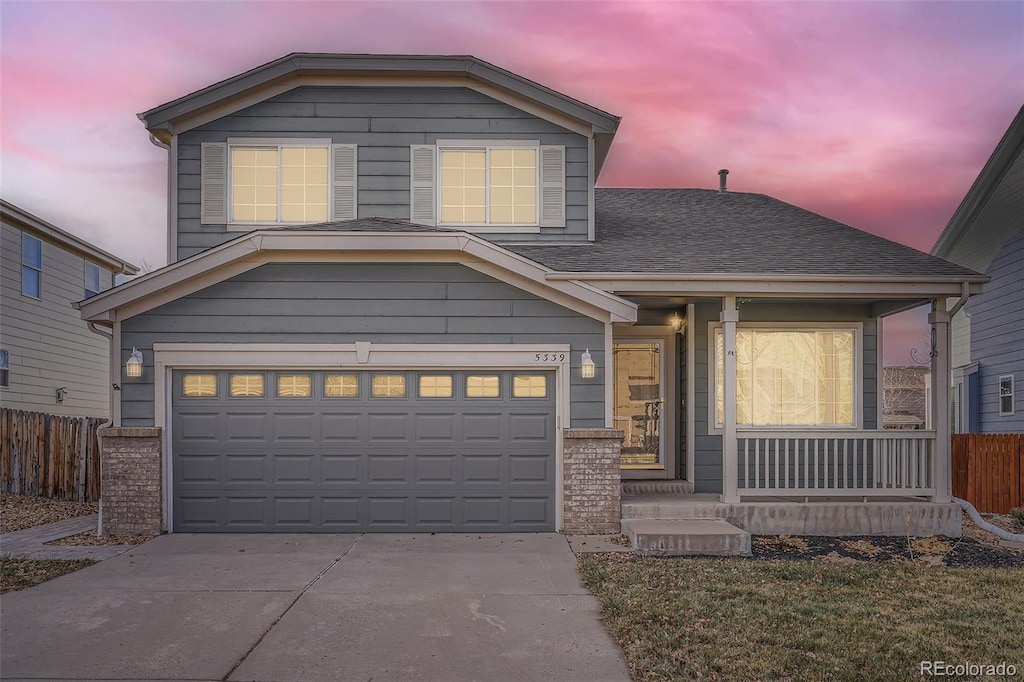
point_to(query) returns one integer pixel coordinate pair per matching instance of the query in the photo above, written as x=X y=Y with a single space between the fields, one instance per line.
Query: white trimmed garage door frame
x=361 y=355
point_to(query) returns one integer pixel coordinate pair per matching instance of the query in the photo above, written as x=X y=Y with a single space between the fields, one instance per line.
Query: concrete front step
x=655 y=487
x=686 y=537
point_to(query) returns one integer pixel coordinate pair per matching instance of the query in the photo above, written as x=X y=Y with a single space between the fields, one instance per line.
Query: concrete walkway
x=31 y=542
x=316 y=607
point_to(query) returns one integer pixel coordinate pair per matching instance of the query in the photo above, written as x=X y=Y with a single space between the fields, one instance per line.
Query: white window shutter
x=422 y=190
x=213 y=201
x=552 y=186
x=344 y=166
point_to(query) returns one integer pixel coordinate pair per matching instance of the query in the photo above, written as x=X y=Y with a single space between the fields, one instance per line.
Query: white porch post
x=730 y=453
x=941 y=378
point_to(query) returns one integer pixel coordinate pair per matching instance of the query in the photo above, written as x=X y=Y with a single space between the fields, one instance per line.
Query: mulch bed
x=933 y=551
x=18 y=512
x=92 y=540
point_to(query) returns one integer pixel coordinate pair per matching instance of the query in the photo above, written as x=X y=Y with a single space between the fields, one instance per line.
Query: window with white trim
x=492 y=185
x=91 y=278
x=31 y=266
x=1006 y=395
x=5 y=368
x=488 y=186
x=279 y=184
x=790 y=377
x=276 y=181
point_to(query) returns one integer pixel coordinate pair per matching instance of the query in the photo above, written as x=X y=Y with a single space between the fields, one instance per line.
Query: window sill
x=493 y=229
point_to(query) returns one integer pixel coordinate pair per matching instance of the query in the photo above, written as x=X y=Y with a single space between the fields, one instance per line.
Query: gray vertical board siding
x=383 y=122
x=997 y=337
x=49 y=344
x=380 y=303
x=708 y=445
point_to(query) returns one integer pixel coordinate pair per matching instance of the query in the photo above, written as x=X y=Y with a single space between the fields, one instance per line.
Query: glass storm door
x=639 y=398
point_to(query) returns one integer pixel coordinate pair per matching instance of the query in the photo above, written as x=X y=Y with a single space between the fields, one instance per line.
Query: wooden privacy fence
x=988 y=470
x=50 y=456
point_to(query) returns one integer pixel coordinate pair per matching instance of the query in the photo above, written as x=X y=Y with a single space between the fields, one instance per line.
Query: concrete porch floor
x=833 y=516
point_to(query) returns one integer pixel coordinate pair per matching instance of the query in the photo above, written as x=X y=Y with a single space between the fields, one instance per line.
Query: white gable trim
x=271 y=246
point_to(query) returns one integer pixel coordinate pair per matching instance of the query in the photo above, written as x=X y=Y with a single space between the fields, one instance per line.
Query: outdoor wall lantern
x=133 y=367
x=587 y=365
x=676 y=322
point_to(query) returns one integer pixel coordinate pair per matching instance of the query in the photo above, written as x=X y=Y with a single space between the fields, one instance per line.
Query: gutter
x=112 y=373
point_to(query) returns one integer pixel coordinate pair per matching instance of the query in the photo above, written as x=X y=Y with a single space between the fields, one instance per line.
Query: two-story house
x=49 y=360
x=398 y=300
x=986 y=233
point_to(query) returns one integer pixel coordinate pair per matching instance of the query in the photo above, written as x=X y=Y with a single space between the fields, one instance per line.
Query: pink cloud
x=876 y=114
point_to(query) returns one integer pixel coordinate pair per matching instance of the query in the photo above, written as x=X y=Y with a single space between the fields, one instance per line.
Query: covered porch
x=721 y=415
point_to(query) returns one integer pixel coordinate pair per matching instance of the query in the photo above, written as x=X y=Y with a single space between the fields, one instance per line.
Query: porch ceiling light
x=587 y=365
x=133 y=367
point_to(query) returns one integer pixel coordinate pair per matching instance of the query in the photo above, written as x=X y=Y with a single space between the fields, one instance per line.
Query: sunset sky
x=877 y=114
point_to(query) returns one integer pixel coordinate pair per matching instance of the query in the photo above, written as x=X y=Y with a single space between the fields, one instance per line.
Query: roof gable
x=1007 y=155
x=303 y=69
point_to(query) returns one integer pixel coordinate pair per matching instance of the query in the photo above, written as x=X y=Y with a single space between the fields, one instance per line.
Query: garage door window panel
x=247 y=386
x=388 y=386
x=483 y=386
x=529 y=386
x=199 y=386
x=435 y=386
x=294 y=386
x=341 y=385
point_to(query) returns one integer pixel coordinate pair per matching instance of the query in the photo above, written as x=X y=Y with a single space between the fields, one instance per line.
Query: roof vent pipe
x=721 y=179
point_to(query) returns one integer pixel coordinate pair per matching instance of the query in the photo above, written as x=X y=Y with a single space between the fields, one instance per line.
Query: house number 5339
x=549 y=357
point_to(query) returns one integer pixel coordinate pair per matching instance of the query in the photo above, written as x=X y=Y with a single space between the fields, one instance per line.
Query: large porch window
x=790 y=377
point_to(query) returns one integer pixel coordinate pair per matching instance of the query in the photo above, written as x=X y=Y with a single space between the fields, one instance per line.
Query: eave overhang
x=275 y=246
x=786 y=285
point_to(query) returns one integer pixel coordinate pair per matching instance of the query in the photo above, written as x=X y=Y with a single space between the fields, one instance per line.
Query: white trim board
x=270 y=246
x=356 y=356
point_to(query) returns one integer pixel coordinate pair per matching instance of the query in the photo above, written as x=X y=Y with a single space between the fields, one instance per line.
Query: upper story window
x=247 y=182
x=791 y=377
x=489 y=186
x=279 y=184
x=92 y=279
x=31 y=266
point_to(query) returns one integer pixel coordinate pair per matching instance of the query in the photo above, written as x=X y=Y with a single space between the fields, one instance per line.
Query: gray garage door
x=345 y=451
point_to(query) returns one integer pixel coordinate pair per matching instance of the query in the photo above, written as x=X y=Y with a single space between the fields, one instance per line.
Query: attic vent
x=721 y=179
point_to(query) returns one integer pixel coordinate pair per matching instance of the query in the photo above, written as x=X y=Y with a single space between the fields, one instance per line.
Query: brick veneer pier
x=592 y=481
x=130 y=481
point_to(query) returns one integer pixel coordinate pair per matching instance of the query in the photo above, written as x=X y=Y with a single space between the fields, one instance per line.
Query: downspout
x=985 y=525
x=965 y=293
x=114 y=367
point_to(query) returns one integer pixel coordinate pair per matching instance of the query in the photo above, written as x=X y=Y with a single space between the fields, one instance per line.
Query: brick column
x=131 y=478
x=592 y=481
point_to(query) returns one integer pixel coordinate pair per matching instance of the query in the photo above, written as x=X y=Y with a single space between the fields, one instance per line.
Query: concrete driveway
x=315 y=607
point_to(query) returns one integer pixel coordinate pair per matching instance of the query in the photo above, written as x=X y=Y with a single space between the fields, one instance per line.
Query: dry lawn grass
x=18 y=574
x=93 y=540
x=737 y=619
x=18 y=512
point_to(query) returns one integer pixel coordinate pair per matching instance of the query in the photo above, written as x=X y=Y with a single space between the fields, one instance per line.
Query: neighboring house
x=906 y=397
x=398 y=301
x=987 y=234
x=49 y=360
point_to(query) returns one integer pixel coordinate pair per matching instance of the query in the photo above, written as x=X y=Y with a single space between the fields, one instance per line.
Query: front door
x=639 y=394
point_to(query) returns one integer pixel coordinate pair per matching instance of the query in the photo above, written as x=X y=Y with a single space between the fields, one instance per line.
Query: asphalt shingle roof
x=702 y=231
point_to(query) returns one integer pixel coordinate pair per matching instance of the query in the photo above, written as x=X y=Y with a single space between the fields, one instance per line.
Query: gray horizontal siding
x=997 y=330
x=707 y=445
x=381 y=303
x=50 y=346
x=383 y=122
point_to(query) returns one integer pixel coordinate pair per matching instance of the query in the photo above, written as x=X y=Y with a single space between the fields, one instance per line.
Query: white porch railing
x=816 y=463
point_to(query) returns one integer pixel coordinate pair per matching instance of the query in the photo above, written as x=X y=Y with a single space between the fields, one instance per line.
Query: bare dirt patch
x=18 y=512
